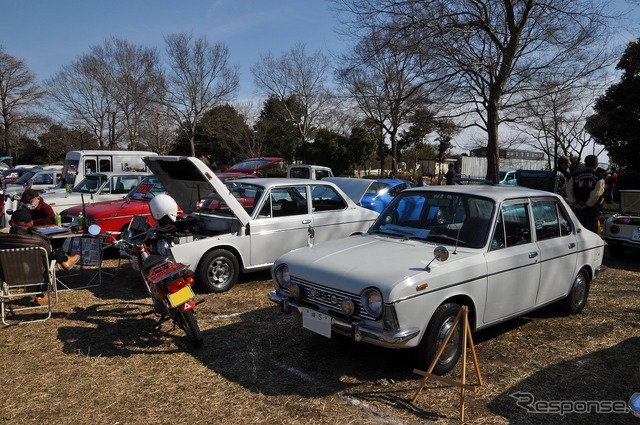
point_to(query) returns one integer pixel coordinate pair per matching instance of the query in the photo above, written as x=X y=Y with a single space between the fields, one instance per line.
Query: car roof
x=496 y=192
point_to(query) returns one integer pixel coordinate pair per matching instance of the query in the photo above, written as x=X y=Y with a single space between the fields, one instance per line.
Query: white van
x=303 y=171
x=77 y=164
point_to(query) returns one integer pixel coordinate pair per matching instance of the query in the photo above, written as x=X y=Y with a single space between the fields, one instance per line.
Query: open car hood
x=188 y=180
x=354 y=188
x=630 y=201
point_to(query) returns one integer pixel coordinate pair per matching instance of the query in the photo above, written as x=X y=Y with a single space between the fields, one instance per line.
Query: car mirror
x=440 y=253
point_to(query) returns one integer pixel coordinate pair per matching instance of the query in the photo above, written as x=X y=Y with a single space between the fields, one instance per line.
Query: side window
x=545 y=217
x=90 y=166
x=516 y=224
x=289 y=201
x=325 y=198
x=498 y=241
x=105 y=165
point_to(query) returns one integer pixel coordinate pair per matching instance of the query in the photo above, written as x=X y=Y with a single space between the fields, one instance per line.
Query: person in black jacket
x=21 y=236
x=585 y=191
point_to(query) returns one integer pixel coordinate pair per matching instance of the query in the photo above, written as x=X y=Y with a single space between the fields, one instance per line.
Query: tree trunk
x=493 y=149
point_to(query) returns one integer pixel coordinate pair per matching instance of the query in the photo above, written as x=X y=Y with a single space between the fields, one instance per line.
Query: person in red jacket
x=41 y=212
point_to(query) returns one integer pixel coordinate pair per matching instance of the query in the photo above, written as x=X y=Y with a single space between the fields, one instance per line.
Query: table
x=76 y=240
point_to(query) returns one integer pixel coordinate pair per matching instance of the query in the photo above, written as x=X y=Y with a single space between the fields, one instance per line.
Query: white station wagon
x=502 y=251
x=243 y=225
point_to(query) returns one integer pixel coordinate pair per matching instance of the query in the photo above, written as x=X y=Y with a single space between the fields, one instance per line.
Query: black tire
x=576 y=300
x=616 y=250
x=217 y=272
x=189 y=324
x=438 y=327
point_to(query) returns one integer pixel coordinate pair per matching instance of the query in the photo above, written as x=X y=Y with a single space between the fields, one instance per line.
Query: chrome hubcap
x=452 y=346
x=219 y=271
x=579 y=289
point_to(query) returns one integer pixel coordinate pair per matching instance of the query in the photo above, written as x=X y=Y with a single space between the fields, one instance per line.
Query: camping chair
x=22 y=274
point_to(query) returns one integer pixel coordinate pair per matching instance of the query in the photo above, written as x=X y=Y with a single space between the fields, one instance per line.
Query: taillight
x=622 y=220
x=177 y=285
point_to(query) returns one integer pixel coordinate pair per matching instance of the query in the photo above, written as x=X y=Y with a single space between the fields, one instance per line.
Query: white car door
x=282 y=225
x=513 y=264
x=557 y=244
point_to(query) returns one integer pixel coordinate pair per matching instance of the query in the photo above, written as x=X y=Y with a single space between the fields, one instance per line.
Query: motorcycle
x=167 y=282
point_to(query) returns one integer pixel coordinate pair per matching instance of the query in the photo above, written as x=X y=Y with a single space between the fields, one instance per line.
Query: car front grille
x=314 y=295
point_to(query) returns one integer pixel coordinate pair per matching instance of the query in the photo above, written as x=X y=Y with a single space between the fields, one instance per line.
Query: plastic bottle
x=58 y=219
x=80 y=219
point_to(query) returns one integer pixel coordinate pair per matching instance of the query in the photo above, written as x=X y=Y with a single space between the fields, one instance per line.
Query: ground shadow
x=568 y=385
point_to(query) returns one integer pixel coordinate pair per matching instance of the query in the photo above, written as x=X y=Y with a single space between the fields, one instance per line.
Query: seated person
x=21 y=236
x=41 y=212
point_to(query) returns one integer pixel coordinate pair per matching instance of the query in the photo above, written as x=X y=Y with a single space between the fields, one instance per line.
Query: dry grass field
x=98 y=361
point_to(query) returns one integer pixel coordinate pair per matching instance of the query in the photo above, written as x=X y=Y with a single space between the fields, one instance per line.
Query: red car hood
x=112 y=208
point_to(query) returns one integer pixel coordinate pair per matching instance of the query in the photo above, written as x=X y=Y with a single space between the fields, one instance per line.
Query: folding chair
x=22 y=271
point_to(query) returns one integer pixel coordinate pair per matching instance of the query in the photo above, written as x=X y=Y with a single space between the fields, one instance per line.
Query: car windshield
x=377 y=187
x=24 y=179
x=246 y=194
x=147 y=189
x=439 y=217
x=89 y=184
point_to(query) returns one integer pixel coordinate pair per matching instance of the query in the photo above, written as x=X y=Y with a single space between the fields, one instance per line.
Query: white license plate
x=317 y=322
x=636 y=234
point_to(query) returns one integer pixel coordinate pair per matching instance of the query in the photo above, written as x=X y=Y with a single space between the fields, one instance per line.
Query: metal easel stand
x=467 y=339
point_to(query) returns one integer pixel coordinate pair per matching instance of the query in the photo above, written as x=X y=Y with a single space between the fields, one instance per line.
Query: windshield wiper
x=446 y=237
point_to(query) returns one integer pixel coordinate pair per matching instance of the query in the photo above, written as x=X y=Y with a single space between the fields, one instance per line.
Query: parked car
x=622 y=231
x=250 y=222
x=501 y=251
x=371 y=194
x=507 y=177
x=95 y=187
x=115 y=216
x=261 y=167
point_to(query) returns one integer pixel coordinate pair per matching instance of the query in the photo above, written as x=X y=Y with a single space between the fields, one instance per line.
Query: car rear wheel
x=577 y=298
x=439 y=326
x=218 y=271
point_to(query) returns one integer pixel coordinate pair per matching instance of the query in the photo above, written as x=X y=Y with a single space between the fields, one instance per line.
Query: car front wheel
x=218 y=271
x=577 y=298
x=439 y=326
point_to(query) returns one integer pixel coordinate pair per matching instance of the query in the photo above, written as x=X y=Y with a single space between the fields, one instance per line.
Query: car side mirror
x=440 y=253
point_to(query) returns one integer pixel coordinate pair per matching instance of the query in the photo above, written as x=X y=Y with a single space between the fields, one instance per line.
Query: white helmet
x=163 y=205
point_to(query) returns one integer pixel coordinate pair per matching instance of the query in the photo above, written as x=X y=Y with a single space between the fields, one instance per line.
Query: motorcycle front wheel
x=189 y=324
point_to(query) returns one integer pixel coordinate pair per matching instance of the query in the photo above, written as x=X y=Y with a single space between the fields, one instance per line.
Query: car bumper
x=355 y=330
x=599 y=270
x=621 y=241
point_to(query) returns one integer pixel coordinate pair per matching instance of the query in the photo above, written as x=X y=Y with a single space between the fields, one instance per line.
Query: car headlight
x=163 y=247
x=282 y=276
x=372 y=302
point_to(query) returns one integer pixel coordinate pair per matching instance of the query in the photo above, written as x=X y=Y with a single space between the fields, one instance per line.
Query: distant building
x=510 y=154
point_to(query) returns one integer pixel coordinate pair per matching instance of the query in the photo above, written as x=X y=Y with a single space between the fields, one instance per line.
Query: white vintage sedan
x=243 y=225
x=500 y=250
x=622 y=231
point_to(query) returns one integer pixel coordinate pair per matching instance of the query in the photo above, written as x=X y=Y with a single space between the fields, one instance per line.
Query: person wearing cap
x=21 y=236
x=41 y=212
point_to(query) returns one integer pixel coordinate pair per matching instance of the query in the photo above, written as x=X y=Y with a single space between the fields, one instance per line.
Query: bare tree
x=298 y=75
x=499 y=50
x=132 y=79
x=18 y=93
x=199 y=78
x=386 y=81
x=556 y=122
x=80 y=95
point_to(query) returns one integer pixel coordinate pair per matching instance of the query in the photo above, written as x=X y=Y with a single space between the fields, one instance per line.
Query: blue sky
x=48 y=34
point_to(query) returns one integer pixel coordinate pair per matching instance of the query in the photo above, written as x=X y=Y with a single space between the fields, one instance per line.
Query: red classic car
x=114 y=216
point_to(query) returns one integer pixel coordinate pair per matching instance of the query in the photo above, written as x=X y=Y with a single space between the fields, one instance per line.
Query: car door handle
x=533 y=254
x=306 y=221
x=572 y=245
